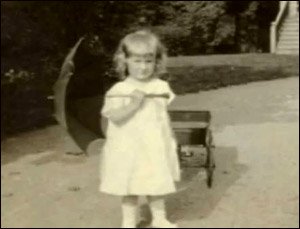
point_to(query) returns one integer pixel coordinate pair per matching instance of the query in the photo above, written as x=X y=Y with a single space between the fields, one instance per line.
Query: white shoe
x=128 y=226
x=163 y=224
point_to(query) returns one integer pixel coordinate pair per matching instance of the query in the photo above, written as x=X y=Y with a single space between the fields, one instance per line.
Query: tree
x=192 y=23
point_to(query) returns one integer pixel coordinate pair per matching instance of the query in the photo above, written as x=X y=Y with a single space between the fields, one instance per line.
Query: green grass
x=195 y=73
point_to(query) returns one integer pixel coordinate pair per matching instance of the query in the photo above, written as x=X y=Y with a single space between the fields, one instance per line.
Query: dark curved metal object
x=60 y=86
x=78 y=95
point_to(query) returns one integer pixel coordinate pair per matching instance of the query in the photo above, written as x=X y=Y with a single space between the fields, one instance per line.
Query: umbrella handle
x=163 y=95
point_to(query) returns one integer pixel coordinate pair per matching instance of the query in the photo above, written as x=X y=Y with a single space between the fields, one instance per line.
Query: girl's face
x=140 y=63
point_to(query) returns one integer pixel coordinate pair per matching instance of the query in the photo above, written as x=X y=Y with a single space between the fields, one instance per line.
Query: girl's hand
x=138 y=97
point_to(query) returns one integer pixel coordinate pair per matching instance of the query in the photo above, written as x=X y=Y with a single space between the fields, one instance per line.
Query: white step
x=288 y=39
x=290 y=43
x=292 y=35
x=289 y=33
x=288 y=47
x=291 y=20
x=289 y=30
x=290 y=27
x=288 y=52
x=295 y=18
x=295 y=24
x=291 y=23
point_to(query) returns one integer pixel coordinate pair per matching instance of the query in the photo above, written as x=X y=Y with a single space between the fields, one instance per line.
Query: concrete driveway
x=256 y=181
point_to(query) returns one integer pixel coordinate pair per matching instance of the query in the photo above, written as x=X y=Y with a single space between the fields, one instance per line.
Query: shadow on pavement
x=197 y=201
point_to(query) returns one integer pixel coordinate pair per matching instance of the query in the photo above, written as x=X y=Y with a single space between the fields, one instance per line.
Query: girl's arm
x=122 y=114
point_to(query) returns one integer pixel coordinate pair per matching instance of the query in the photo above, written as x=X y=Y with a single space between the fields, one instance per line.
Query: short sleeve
x=172 y=95
x=112 y=102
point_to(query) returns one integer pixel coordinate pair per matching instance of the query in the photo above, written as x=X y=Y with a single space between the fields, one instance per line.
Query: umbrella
x=60 y=86
x=78 y=95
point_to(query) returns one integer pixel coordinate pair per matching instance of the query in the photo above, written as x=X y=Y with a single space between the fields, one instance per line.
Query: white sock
x=158 y=209
x=129 y=215
x=159 y=214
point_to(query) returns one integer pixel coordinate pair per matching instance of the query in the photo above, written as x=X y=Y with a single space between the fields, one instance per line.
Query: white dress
x=139 y=157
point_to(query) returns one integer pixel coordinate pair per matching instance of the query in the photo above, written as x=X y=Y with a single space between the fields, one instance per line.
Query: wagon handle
x=163 y=95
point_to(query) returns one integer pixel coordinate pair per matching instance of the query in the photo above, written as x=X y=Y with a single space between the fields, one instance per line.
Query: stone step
x=291 y=23
x=288 y=48
x=287 y=51
x=291 y=20
x=280 y=47
x=283 y=30
x=295 y=27
x=295 y=18
x=289 y=27
x=289 y=37
x=289 y=30
x=294 y=32
x=283 y=42
x=288 y=43
x=290 y=33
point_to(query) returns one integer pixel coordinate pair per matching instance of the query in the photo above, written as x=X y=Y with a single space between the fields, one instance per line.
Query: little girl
x=139 y=156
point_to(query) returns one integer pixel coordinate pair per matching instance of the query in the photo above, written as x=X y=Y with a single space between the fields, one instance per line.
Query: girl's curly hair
x=140 y=37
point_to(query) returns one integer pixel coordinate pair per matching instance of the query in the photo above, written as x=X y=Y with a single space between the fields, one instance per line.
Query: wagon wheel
x=210 y=161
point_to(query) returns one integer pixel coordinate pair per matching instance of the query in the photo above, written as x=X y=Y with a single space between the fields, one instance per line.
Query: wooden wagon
x=192 y=130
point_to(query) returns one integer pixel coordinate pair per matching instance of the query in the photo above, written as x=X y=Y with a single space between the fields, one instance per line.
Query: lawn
x=194 y=73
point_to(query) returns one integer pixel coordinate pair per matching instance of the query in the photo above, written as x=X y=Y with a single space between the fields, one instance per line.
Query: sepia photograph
x=149 y=114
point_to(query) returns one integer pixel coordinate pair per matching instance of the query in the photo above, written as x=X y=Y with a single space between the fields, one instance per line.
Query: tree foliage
x=36 y=36
x=46 y=30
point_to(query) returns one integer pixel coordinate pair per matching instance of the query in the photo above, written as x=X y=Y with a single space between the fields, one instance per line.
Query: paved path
x=256 y=181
